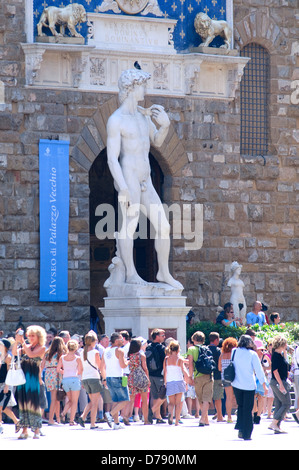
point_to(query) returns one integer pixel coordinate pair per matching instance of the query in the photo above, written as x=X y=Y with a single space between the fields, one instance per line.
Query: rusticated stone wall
x=250 y=204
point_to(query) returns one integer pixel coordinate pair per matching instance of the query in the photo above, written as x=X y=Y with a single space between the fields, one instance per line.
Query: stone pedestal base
x=143 y=314
x=60 y=40
x=215 y=51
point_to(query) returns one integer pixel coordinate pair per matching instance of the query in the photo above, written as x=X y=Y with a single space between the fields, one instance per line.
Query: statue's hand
x=160 y=115
x=124 y=198
x=125 y=201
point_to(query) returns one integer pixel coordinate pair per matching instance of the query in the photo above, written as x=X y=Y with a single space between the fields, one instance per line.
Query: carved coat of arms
x=131 y=7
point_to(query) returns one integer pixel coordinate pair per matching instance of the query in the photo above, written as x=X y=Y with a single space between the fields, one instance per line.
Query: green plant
x=290 y=331
x=208 y=327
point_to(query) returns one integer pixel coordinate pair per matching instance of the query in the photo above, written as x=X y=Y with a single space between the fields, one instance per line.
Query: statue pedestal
x=60 y=40
x=142 y=313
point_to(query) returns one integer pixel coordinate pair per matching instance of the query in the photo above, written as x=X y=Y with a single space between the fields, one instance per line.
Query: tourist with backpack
x=218 y=391
x=155 y=355
x=202 y=364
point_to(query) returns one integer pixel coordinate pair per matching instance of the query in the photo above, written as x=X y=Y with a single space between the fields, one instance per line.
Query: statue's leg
x=40 y=24
x=53 y=30
x=237 y=312
x=52 y=23
x=236 y=308
x=73 y=31
x=156 y=214
x=126 y=237
x=208 y=41
x=39 y=29
x=243 y=312
x=227 y=37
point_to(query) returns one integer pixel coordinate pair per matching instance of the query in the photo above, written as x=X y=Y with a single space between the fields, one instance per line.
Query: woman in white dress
x=174 y=374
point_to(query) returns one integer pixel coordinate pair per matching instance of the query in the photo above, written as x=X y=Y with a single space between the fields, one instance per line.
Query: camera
x=21 y=332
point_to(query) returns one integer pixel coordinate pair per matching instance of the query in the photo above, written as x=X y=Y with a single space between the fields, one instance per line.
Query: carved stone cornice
x=115 y=43
x=33 y=60
x=71 y=59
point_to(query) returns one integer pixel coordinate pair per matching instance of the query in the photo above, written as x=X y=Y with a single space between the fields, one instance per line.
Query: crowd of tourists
x=55 y=378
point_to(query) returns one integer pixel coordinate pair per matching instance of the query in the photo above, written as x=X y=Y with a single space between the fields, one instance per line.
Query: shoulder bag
x=229 y=373
x=15 y=376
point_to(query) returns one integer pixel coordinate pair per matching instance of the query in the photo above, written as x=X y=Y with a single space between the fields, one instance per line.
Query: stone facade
x=251 y=204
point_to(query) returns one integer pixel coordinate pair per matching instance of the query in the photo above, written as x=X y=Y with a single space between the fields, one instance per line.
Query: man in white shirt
x=128 y=410
x=125 y=348
x=105 y=402
x=114 y=364
x=102 y=344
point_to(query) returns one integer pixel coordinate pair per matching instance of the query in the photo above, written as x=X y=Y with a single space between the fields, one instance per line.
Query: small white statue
x=68 y=16
x=208 y=29
x=237 y=296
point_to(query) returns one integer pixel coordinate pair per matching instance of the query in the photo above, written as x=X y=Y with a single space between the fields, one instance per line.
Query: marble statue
x=237 y=296
x=68 y=16
x=130 y=132
x=208 y=29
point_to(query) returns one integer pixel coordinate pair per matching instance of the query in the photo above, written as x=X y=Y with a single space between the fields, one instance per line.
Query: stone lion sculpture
x=68 y=16
x=208 y=29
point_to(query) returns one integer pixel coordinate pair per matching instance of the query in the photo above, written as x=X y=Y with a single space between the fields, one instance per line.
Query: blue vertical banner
x=54 y=219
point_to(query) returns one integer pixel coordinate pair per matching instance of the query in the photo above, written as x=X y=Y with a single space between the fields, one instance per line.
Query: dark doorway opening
x=102 y=191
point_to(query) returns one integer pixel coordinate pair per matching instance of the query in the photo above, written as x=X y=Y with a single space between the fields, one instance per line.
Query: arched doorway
x=102 y=251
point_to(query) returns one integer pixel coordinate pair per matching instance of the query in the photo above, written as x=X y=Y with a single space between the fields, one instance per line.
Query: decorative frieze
x=91 y=68
x=56 y=65
x=115 y=42
x=97 y=71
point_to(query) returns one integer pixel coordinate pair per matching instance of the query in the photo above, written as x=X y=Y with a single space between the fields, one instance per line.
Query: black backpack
x=152 y=359
x=205 y=363
x=229 y=373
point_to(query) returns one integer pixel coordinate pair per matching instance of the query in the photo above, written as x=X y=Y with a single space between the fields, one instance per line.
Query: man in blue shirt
x=256 y=316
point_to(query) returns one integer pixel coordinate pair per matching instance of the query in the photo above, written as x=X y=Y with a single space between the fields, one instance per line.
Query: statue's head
x=129 y=79
x=235 y=265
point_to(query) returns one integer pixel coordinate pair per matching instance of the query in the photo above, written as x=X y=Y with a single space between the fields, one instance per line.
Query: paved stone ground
x=153 y=439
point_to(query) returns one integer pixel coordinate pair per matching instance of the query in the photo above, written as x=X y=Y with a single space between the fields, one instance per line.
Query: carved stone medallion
x=132 y=7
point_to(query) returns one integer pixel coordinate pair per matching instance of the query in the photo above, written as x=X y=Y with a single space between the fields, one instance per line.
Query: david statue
x=130 y=132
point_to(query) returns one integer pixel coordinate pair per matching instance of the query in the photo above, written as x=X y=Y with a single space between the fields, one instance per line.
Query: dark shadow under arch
x=102 y=251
